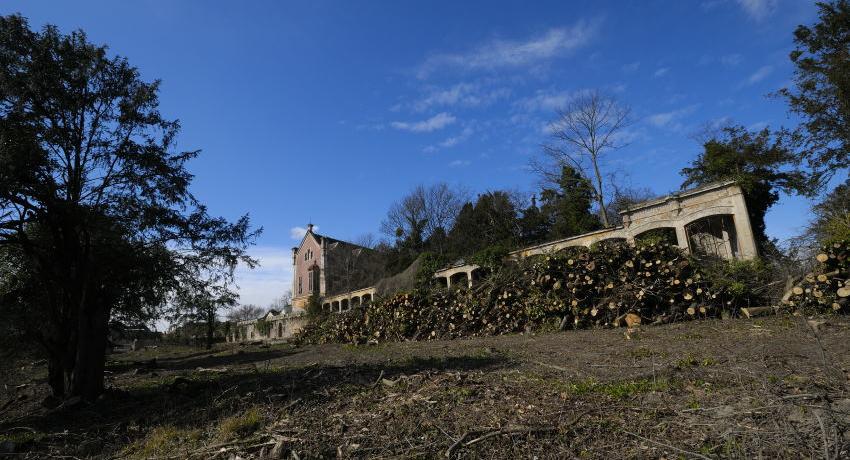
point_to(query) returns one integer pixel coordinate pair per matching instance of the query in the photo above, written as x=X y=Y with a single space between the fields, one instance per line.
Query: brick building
x=325 y=266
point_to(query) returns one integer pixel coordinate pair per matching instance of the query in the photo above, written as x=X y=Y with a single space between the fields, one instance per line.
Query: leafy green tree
x=821 y=96
x=759 y=162
x=831 y=221
x=198 y=301
x=569 y=207
x=95 y=208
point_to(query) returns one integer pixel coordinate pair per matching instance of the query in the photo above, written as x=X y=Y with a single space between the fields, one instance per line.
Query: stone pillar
x=682 y=236
x=743 y=228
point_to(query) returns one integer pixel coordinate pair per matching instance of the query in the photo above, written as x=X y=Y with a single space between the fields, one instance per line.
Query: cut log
x=751 y=312
x=632 y=320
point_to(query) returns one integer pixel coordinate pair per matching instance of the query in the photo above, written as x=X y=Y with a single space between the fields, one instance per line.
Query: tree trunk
x=210 y=330
x=92 y=330
x=599 y=195
x=56 y=376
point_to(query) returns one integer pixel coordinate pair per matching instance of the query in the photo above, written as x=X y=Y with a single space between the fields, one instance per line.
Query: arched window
x=658 y=235
x=713 y=236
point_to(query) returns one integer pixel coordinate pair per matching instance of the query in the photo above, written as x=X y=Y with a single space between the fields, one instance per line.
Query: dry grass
x=716 y=389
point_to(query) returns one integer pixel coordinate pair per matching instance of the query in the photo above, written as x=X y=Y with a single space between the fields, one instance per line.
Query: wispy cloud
x=671 y=119
x=500 y=53
x=731 y=60
x=631 y=67
x=450 y=141
x=437 y=122
x=544 y=100
x=296 y=233
x=661 y=72
x=461 y=94
x=459 y=163
x=270 y=280
x=758 y=9
x=759 y=74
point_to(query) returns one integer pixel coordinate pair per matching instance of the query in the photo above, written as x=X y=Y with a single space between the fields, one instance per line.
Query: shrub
x=740 y=283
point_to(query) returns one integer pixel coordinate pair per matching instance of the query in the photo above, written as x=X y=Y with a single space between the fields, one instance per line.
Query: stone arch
x=355 y=301
x=335 y=305
x=713 y=235
x=344 y=305
x=280 y=329
x=367 y=299
x=442 y=281
x=476 y=274
x=459 y=279
x=662 y=233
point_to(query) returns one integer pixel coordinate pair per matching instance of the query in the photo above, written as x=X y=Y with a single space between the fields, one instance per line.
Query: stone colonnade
x=711 y=220
x=463 y=275
x=348 y=300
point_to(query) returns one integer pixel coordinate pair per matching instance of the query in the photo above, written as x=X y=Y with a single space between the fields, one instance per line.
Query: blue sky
x=329 y=111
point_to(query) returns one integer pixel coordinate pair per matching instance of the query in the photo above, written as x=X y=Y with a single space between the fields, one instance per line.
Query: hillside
x=704 y=389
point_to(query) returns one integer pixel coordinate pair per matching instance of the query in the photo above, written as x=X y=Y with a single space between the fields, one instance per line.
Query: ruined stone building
x=324 y=267
x=710 y=220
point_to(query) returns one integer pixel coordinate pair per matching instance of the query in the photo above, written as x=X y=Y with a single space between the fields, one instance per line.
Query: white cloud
x=514 y=53
x=450 y=141
x=759 y=75
x=270 y=280
x=758 y=9
x=670 y=119
x=731 y=60
x=459 y=163
x=545 y=100
x=462 y=94
x=661 y=72
x=437 y=122
x=296 y=233
x=631 y=67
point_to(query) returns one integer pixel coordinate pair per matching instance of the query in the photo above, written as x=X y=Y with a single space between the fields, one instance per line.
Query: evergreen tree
x=760 y=163
x=95 y=209
x=822 y=88
x=569 y=207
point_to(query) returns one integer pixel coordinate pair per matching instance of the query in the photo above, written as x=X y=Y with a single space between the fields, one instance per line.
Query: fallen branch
x=681 y=451
x=511 y=431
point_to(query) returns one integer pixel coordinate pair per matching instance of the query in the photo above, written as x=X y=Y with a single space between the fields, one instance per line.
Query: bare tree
x=423 y=211
x=245 y=312
x=282 y=303
x=588 y=127
x=624 y=197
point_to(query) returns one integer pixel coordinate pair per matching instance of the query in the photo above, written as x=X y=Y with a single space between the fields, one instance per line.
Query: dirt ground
x=775 y=387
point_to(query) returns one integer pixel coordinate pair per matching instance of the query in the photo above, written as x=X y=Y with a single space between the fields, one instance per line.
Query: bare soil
x=775 y=387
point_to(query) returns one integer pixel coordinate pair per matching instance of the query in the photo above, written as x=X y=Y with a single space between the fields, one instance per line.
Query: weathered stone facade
x=329 y=267
x=712 y=219
x=271 y=327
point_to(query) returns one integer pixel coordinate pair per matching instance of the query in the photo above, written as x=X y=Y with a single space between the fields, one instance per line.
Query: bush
x=314 y=305
x=741 y=283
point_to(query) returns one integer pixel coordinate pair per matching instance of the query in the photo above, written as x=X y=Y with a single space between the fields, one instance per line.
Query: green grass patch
x=164 y=440
x=22 y=438
x=241 y=425
x=691 y=360
x=619 y=390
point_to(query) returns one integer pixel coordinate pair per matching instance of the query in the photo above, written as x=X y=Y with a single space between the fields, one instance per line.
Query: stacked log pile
x=608 y=285
x=826 y=289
